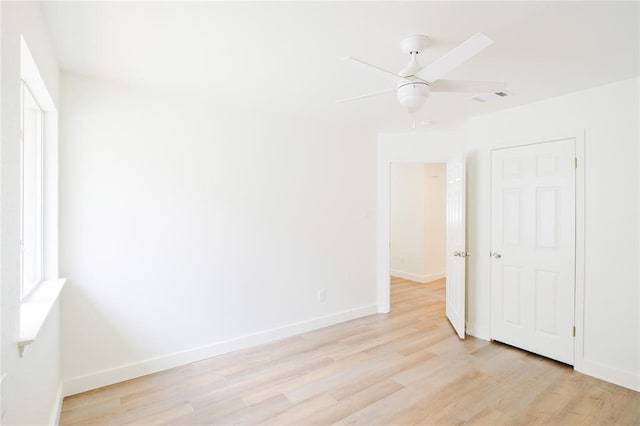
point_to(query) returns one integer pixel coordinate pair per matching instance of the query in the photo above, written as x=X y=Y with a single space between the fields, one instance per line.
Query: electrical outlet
x=322 y=296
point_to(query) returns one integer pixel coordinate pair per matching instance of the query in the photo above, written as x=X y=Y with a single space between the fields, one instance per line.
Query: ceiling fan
x=414 y=82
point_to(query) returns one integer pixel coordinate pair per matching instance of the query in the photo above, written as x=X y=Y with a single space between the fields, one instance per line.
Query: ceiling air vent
x=486 y=97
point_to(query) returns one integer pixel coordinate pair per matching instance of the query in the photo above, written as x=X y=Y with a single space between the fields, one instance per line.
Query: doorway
x=417 y=215
x=455 y=252
x=420 y=148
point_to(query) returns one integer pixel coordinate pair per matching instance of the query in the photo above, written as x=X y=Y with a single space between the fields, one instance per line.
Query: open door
x=456 y=245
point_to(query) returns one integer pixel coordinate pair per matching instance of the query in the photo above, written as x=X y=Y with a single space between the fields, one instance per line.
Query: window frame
x=36 y=303
x=26 y=289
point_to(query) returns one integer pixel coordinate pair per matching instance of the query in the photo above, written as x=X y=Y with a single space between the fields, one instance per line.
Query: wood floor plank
x=162 y=417
x=208 y=413
x=302 y=411
x=338 y=378
x=379 y=373
x=356 y=402
x=317 y=375
x=405 y=367
x=256 y=413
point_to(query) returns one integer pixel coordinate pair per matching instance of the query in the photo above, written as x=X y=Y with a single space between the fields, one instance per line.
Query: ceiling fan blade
x=468 y=86
x=368 y=95
x=381 y=71
x=455 y=57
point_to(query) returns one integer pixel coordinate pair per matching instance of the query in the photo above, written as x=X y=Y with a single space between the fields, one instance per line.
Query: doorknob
x=495 y=255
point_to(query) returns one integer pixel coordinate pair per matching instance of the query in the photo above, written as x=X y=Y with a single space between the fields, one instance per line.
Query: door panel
x=546 y=302
x=456 y=246
x=547 y=207
x=533 y=247
x=511 y=300
x=511 y=217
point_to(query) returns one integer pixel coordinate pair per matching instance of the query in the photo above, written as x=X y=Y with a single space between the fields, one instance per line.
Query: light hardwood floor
x=404 y=368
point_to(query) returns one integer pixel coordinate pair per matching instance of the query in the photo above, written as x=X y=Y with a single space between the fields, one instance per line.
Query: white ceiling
x=286 y=56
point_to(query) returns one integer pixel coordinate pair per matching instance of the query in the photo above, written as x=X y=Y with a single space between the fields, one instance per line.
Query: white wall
x=435 y=220
x=30 y=392
x=609 y=118
x=417 y=221
x=407 y=253
x=189 y=228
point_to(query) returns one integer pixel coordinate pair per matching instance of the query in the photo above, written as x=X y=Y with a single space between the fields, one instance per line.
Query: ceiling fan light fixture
x=414 y=82
x=413 y=95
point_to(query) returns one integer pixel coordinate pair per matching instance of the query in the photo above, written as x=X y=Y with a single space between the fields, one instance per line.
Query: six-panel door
x=533 y=248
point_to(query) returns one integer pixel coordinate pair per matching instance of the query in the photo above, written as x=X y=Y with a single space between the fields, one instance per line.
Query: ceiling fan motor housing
x=413 y=44
x=413 y=95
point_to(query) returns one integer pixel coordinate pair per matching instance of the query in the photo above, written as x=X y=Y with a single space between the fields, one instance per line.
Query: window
x=40 y=284
x=32 y=203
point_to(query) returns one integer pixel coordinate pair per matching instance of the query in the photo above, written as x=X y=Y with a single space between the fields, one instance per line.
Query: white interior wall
x=435 y=220
x=30 y=391
x=407 y=214
x=608 y=116
x=190 y=228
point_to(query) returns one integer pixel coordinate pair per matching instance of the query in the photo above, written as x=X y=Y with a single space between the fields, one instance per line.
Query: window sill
x=35 y=310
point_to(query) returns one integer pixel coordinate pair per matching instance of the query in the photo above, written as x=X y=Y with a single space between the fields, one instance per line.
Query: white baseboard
x=54 y=418
x=98 y=379
x=417 y=277
x=432 y=277
x=619 y=377
x=408 y=276
x=584 y=366
x=478 y=332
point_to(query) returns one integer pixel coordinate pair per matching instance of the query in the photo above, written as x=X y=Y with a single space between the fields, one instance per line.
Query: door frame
x=579 y=137
x=402 y=148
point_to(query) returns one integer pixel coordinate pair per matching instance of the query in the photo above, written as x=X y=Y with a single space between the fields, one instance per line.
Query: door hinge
x=574 y=331
x=575 y=161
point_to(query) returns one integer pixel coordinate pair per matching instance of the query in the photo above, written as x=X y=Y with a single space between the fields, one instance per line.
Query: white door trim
x=580 y=248
x=579 y=136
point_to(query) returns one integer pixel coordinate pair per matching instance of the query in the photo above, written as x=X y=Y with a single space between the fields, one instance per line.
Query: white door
x=456 y=246
x=533 y=248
